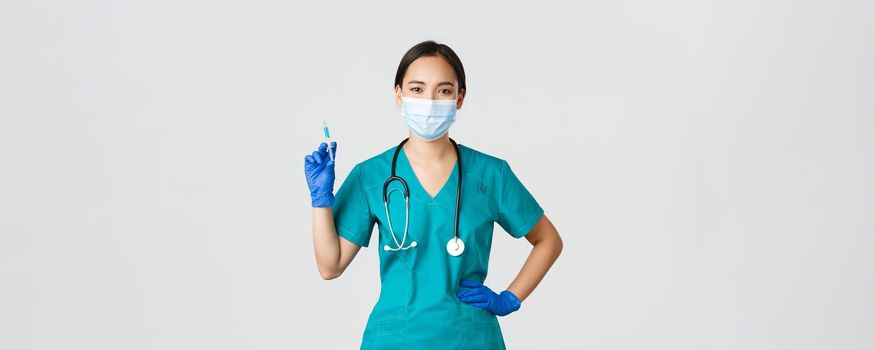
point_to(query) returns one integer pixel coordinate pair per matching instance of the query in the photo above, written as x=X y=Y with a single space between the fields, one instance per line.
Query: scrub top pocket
x=387 y=329
x=479 y=329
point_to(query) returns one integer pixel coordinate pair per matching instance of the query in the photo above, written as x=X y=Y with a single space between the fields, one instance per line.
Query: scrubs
x=418 y=307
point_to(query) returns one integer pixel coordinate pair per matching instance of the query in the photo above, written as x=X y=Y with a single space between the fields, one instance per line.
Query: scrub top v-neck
x=402 y=157
x=418 y=307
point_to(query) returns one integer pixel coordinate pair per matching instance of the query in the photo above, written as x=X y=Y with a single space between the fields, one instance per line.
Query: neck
x=429 y=151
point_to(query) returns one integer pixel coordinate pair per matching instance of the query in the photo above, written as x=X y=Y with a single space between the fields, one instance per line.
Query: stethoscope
x=455 y=246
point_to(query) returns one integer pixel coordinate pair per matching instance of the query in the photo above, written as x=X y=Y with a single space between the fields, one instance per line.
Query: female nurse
x=434 y=261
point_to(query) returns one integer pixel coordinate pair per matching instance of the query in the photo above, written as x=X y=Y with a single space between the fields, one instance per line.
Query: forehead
x=430 y=69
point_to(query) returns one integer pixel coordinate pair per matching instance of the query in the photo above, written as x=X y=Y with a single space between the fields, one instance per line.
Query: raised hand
x=319 y=171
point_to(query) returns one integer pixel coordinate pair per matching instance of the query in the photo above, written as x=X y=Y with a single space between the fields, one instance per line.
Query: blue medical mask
x=429 y=119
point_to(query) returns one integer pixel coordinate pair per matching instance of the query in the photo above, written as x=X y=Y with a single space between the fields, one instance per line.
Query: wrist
x=322 y=201
x=513 y=300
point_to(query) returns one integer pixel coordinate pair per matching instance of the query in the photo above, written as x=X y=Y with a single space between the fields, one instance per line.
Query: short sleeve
x=518 y=211
x=352 y=216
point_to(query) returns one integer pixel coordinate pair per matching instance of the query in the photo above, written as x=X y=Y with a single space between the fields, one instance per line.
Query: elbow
x=329 y=274
x=557 y=245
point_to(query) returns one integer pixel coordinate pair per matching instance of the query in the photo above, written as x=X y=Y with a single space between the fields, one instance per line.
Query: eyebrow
x=423 y=83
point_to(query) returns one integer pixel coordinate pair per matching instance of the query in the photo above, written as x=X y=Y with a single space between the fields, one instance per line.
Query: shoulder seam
x=362 y=190
x=503 y=167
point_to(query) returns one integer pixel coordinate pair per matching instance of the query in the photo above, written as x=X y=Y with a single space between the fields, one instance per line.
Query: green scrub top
x=418 y=307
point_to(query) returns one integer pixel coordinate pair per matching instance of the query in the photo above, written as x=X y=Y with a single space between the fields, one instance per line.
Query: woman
x=433 y=253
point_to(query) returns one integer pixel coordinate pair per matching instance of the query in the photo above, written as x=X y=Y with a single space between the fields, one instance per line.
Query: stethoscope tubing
x=406 y=194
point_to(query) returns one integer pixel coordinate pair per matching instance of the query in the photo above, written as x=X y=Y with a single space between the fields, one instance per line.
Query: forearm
x=326 y=243
x=544 y=253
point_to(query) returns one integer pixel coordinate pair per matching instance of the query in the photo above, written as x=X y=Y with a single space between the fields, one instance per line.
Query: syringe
x=327 y=139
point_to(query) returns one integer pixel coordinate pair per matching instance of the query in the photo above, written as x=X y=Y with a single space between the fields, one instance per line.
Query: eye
x=415 y=89
x=446 y=91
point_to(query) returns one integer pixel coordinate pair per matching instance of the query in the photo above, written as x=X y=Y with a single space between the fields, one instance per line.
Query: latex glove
x=319 y=170
x=481 y=296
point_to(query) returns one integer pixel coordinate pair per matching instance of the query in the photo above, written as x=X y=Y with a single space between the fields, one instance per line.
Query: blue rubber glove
x=319 y=170
x=481 y=296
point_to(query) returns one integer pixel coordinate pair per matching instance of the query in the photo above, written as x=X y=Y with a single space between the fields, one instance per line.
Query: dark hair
x=431 y=48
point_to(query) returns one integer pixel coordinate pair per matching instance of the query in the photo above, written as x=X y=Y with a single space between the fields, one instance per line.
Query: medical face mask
x=429 y=119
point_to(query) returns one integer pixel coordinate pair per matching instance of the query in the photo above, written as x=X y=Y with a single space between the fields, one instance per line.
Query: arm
x=517 y=204
x=546 y=247
x=333 y=253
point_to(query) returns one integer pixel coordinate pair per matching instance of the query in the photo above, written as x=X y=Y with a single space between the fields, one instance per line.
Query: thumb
x=471 y=284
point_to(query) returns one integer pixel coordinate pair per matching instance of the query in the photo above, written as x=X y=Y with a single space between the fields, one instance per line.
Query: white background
x=709 y=165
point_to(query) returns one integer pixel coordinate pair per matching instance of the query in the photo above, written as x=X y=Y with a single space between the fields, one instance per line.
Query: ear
x=398 y=99
x=460 y=99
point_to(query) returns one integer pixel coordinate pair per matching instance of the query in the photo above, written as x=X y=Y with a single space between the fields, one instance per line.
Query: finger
x=323 y=149
x=468 y=292
x=480 y=305
x=476 y=298
x=309 y=162
x=316 y=157
x=330 y=164
x=470 y=284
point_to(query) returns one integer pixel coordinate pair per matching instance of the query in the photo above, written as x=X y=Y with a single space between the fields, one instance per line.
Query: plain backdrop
x=710 y=166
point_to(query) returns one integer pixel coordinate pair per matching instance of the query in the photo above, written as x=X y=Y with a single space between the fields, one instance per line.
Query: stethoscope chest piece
x=455 y=246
